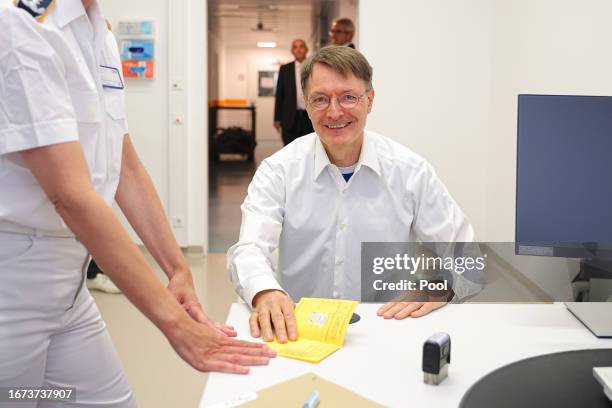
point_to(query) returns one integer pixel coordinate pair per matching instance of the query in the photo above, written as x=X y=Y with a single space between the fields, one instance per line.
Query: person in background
x=290 y=115
x=318 y=199
x=342 y=32
x=65 y=155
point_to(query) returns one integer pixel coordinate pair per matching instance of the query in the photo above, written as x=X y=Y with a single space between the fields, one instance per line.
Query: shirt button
x=342 y=227
x=336 y=295
x=339 y=261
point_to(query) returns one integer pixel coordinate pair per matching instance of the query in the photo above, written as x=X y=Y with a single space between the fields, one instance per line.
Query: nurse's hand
x=181 y=287
x=206 y=349
x=402 y=310
x=273 y=308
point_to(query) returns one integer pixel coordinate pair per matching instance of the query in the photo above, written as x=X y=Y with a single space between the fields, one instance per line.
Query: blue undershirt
x=347 y=172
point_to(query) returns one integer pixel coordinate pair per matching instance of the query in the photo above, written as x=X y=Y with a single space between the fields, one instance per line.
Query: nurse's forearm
x=62 y=173
x=139 y=201
x=94 y=223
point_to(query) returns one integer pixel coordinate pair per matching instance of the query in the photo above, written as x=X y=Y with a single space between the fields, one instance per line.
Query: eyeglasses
x=346 y=101
x=336 y=31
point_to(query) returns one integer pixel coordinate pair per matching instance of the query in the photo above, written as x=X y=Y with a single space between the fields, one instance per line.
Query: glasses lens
x=348 y=100
x=320 y=102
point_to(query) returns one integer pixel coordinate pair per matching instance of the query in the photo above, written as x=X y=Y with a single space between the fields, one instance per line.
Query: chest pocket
x=115 y=104
x=116 y=129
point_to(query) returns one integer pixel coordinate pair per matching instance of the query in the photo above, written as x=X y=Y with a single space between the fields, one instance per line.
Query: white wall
x=447 y=86
x=543 y=46
x=173 y=154
x=216 y=56
x=447 y=83
x=432 y=80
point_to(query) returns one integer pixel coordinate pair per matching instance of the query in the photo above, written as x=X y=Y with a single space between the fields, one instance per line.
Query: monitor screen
x=564 y=175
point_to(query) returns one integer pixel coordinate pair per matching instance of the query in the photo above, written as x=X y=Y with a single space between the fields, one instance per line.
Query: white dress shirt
x=53 y=97
x=299 y=103
x=299 y=203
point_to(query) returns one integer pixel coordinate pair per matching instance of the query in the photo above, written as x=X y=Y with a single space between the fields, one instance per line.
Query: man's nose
x=334 y=110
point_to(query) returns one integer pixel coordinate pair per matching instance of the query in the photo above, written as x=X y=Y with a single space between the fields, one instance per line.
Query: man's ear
x=370 y=99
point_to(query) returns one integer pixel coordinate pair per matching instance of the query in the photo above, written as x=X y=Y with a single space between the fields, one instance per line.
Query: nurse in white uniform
x=65 y=155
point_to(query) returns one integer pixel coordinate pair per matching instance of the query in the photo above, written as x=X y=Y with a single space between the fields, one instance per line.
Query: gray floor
x=228 y=182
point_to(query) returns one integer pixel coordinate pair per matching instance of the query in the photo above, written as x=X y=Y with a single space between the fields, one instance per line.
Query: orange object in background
x=229 y=102
x=137 y=69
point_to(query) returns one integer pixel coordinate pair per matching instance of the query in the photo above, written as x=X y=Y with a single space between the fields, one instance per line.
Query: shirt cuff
x=124 y=127
x=257 y=284
x=38 y=135
x=464 y=289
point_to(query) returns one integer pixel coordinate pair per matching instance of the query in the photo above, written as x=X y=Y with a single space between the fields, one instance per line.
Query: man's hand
x=401 y=310
x=277 y=126
x=273 y=308
x=181 y=287
x=206 y=349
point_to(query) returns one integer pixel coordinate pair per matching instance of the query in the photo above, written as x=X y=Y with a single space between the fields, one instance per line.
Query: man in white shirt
x=319 y=198
x=65 y=155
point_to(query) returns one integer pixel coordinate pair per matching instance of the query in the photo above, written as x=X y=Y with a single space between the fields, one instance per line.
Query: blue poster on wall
x=140 y=50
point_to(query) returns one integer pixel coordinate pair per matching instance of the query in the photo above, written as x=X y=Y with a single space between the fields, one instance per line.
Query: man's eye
x=319 y=100
x=349 y=98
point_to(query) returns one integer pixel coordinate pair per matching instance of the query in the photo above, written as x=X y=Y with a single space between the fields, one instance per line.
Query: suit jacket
x=285 y=104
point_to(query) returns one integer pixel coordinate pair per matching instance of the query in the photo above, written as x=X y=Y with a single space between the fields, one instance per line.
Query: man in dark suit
x=342 y=32
x=289 y=108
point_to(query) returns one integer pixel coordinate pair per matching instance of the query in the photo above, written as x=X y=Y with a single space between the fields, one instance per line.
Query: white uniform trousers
x=51 y=331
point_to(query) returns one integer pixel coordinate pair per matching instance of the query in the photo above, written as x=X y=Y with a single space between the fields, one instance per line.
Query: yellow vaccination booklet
x=322 y=325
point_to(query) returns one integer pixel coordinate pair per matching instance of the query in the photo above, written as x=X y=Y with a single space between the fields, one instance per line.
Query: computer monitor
x=564 y=176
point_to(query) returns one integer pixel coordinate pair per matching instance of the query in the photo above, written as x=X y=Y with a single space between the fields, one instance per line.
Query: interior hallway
x=228 y=182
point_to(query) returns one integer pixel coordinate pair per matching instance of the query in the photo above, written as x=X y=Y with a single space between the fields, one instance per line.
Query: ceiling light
x=266 y=44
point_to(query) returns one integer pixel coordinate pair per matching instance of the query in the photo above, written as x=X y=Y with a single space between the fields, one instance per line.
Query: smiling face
x=340 y=34
x=338 y=128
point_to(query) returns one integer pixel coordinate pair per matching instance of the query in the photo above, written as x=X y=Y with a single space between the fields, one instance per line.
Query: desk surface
x=381 y=359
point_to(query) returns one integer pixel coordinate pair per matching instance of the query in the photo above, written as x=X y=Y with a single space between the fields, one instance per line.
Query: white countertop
x=381 y=359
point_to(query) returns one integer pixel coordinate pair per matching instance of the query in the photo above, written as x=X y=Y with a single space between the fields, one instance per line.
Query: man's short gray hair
x=343 y=60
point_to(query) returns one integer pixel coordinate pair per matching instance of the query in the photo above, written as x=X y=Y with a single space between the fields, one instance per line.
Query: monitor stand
x=594 y=313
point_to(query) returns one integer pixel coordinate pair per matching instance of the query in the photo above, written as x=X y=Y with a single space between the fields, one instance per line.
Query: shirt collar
x=99 y=24
x=367 y=157
x=67 y=11
x=321 y=161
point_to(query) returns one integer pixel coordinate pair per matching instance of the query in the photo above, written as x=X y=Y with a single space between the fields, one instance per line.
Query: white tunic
x=53 y=95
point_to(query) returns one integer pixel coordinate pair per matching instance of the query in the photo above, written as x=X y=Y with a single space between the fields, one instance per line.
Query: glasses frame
x=340 y=31
x=337 y=98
